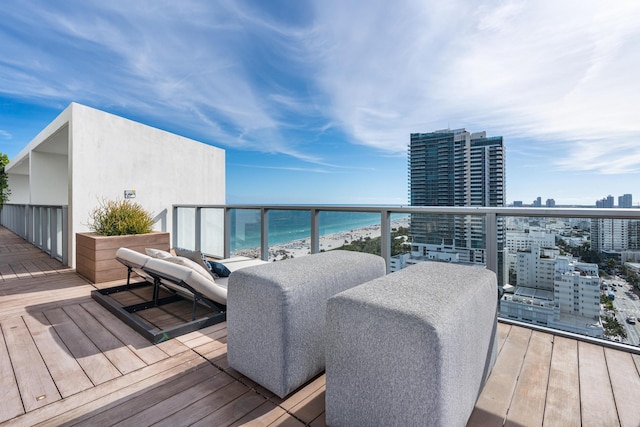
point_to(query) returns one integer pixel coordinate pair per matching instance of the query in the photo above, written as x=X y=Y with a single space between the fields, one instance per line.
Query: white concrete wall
x=111 y=154
x=49 y=179
x=19 y=186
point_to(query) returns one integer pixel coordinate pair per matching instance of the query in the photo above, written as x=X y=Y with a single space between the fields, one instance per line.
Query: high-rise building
x=455 y=168
x=607 y=202
x=625 y=201
x=615 y=235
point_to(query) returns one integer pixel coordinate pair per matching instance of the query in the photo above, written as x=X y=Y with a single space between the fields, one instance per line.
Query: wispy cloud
x=4 y=134
x=249 y=76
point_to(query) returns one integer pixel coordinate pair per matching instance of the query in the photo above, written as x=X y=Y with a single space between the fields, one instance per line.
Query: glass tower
x=456 y=168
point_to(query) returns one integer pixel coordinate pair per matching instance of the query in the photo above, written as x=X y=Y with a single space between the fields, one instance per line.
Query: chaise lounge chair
x=183 y=278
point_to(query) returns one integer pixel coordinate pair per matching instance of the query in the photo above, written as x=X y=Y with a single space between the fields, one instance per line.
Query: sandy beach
x=298 y=248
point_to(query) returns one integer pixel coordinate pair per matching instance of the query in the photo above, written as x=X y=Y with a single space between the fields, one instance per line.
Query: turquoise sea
x=286 y=226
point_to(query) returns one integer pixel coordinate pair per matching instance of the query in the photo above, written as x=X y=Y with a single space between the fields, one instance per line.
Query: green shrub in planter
x=120 y=217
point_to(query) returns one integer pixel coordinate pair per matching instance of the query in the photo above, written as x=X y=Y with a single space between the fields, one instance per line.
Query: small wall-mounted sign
x=129 y=194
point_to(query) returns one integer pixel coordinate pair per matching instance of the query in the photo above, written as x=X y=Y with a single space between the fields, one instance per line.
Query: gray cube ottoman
x=276 y=314
x=413 y=348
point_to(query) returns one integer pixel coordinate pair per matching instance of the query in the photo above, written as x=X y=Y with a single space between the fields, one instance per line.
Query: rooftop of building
x=66 y=360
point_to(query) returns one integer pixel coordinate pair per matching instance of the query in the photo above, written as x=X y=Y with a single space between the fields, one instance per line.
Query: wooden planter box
x=96 y=255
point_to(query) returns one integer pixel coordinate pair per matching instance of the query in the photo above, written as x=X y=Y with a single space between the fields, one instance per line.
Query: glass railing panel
x=449 y=238
x=37 y=226
x=355 y=231
x=289 y=234
x=245 y=232
x=574 y=274
x=212 y=231
x=47 y=229
x=58 y=234
x=400 y=238
x=185 y=228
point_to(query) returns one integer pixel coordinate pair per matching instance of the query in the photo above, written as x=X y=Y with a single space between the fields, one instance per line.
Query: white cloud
x=556 y=71
x=562 y=74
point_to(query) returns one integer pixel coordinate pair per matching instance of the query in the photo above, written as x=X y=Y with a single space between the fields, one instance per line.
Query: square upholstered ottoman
x=413 y=348
x=276 y=314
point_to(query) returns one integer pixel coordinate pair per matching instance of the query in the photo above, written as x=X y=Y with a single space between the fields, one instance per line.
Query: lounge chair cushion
x=186 y=262
x=157 y=253
x=195 y=256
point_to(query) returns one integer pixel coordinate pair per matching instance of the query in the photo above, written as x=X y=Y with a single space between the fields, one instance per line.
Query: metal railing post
x=385 y=237
x=198 y=229
x=492 y=242
x=264 y=234
x=227 y=233
x=315 y=231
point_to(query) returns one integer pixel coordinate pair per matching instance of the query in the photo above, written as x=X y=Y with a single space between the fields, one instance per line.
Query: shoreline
x=302 y=247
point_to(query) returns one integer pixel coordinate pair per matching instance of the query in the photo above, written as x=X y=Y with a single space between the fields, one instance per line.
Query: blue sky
x=314 y=101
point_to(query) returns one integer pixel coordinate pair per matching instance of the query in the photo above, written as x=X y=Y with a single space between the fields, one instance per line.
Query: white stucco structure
x=86 y=155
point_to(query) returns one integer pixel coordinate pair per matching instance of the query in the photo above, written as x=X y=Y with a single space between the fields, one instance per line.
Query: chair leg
x=195 y=307
x=156 y=291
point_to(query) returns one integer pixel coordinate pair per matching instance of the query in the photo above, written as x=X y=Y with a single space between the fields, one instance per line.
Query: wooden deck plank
x=302 y=394
x=321 y=421
x=563 y=394
x=42 y=304
x=120 y=410
x=7 y=272
x=198 y=339
x=159 y=318
x=172 y=347
x=20 y=271
x=494 y=401
x=118 y=354
x=596 y=396
x=503 y=333
x=78 y=406
x=531 y=389
x=311 y=407
x=212 y=394
x=209 y=406
x=263 y=415
x=36 y=386
x=234 y=411
x=636 y=360
x=67 y=374
x=10 y=402
x=97 y=366
x=625 y=385
x=286 y=421
x=32 y=268
x=146 y=351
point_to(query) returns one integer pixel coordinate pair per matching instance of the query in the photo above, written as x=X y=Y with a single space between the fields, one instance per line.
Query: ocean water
x=286 y=226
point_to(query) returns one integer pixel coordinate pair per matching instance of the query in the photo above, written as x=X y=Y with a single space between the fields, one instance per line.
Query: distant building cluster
x=537 y=203
x=624 y=201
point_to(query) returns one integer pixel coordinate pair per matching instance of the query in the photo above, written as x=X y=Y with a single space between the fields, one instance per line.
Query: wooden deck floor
x=65 y=360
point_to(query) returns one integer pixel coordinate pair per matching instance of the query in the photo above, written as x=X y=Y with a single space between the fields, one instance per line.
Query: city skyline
x=315 y=102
